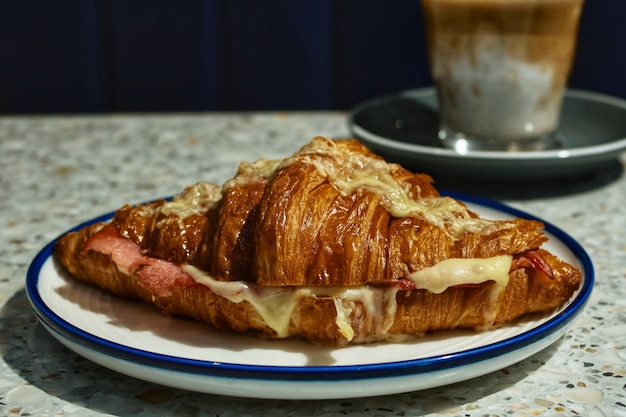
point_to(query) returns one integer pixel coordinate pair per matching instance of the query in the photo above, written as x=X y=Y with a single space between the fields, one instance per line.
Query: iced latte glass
x=500 y=68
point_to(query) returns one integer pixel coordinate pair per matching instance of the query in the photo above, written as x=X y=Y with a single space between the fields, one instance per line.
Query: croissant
x=332 y=244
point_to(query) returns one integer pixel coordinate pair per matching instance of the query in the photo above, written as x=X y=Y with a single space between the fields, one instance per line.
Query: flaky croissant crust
x=294 y=227
x=332 y=215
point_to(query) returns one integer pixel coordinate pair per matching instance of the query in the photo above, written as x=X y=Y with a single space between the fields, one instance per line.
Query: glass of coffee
x=500 y=68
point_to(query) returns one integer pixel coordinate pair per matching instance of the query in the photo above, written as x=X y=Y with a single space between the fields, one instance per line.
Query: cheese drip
x=460 y=271
x=379 y=304
x=276 y=305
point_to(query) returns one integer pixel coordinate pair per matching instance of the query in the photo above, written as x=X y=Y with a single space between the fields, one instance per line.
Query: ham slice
x=161 y=278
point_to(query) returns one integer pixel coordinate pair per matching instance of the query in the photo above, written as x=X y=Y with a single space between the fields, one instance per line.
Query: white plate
x=403 y=128
x=134 y=339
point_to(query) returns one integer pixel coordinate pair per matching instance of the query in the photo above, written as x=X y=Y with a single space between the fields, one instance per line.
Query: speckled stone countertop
x=56 y=172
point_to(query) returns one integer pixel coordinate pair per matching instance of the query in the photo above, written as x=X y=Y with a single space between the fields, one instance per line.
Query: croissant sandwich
x=333 y=245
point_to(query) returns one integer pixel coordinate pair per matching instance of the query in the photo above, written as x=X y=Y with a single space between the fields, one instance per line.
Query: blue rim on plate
x=63 y=328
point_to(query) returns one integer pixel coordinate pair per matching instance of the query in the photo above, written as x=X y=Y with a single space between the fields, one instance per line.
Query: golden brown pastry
x=332 y=244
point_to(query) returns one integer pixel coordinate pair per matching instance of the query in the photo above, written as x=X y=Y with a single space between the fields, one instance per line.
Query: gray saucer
x=403 y=128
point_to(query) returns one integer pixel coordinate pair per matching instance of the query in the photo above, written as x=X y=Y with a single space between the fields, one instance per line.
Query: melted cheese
x=261 y=167
x=457 y=271
x=342 y=320
x=379 y=302
x=276 y=305
x=248 y=172
x=196 y=199
x=350 y=172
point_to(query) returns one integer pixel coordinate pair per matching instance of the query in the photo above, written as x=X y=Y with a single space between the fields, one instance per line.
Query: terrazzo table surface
x=56 y=172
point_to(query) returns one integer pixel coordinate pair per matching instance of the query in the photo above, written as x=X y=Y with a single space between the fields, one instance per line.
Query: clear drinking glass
x=500 y=68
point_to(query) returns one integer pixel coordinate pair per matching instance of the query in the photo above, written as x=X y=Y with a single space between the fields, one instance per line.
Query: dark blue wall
x=158 y=55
